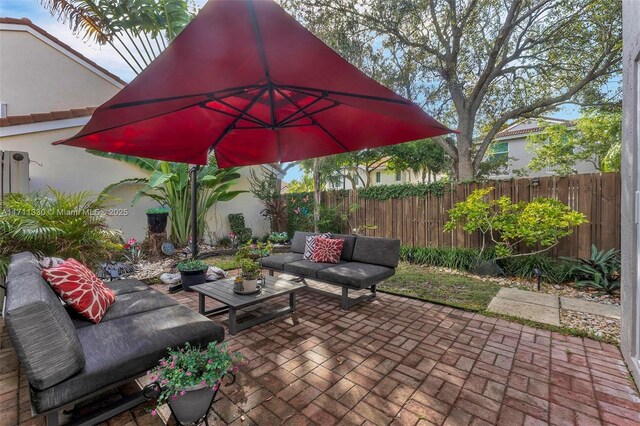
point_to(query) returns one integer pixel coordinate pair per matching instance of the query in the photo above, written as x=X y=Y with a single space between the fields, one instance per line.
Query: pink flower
x=175 y=357
x=163 y=363
x=174 y=396
x=215 y=388
x=210 y=361
x=182 y=393
x=232 y=235
x=172 y=365
x=235 y=368
x=154 y=412
x=188 y=373
x=203 y=383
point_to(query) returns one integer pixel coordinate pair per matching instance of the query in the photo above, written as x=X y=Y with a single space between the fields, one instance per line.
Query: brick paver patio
x=398 y=361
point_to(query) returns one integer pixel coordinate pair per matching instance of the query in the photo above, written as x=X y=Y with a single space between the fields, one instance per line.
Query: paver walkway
x=543 y=307
x=399 y=361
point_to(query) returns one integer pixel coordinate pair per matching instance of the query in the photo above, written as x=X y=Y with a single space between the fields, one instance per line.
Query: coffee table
x=222 y=291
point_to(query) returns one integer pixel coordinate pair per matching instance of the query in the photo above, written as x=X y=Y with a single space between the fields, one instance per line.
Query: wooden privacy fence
x=419 y=221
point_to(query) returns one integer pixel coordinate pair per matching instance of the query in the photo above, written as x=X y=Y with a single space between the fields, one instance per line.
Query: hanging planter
x=157 y=219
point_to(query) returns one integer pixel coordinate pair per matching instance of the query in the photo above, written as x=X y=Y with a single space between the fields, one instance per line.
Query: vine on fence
x=402 y=190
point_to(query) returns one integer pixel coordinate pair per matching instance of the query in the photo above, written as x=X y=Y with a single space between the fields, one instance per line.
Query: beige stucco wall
x=36 y=77
x=72 y=169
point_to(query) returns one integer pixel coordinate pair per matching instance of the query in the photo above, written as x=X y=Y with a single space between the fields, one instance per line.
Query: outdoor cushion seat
x=356 y=274
x=126 y=286
x=277 y=261
x=124 y=347
x=307 y=268
x=127 y=304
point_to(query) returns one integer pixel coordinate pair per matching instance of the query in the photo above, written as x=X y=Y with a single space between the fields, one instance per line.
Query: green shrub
x=224 y=242
x=241 y=232
x=299 y=212
x=332 y=220
x=62 y=225
x=402 y=190
x=192 y=265
x=278 y=237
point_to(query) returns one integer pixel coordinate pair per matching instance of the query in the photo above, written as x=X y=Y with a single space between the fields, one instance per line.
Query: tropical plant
x=600 y=271
x=254 y=250
x=132 y=251
x=138 y=30
x=192 y=266
x=168 y=184
x=266 y=188
x=57 y=224
x=192 y=366
x=543 y=222
x=224 y=241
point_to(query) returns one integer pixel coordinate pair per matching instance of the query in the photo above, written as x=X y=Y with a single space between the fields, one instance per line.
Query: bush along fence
x=418 y=220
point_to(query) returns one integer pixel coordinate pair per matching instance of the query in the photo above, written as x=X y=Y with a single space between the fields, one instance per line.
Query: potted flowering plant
x=188 y=379
x=157 y=219
x=132 y=251
x=192 y=272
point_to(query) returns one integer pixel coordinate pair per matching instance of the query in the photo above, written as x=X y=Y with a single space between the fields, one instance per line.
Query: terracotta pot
x=190 y=408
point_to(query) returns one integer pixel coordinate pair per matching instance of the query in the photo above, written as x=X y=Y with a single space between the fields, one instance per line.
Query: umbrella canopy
x=248 y=82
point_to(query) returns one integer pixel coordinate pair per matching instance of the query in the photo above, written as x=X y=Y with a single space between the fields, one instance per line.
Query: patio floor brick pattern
x=396 y=361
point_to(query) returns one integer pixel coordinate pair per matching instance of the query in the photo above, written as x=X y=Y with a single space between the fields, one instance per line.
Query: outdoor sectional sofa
x=68 y=359
x=365 y=262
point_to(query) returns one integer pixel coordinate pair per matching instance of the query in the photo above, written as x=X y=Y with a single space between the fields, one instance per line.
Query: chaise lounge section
x=68 y=359
x=364 y=262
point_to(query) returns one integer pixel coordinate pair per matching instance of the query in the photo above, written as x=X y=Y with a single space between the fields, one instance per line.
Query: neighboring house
x=512 y=143
x=47 y=93
x=379 y=175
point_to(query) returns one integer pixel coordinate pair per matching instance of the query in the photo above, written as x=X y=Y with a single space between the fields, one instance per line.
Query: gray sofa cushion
x=307 y=268
x=22 y=263
x=126 y=286
x=277 y=261
x=299 y=240
x=126 y=348
x=347 y=248
x=355 y=274
x=128 y=304
x=377 y=251
x=40 y=329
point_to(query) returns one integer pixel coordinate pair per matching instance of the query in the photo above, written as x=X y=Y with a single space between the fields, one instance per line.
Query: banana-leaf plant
x=168 y=184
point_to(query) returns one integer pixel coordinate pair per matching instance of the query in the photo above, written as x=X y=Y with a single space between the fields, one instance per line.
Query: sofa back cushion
x=39 y=327
x=347 y=248
x=377 y=251
x=299 y=240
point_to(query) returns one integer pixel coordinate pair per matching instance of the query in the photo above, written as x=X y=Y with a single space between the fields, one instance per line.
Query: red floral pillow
x=81 y=289
x=327 y=250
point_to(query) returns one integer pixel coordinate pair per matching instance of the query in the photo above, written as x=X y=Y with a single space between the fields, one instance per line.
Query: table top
x=222 y=291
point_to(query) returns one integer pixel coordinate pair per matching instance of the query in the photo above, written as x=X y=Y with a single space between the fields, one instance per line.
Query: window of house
x=378 y=177
x=500 y=150
x=398 y=176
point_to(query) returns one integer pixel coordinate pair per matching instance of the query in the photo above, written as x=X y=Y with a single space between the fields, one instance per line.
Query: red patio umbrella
x=248 y=82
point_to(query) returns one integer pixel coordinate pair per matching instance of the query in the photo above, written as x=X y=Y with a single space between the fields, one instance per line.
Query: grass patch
x=423 y=283
x=225 y=263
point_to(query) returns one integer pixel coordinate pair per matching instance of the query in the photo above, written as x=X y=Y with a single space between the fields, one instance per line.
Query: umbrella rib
x=234 y=90
x=290 y=116
x=256 y=33
x=285 y=123
x=320 y=126
x=353 y=95
x=245 y=113
x=246 y=118
x=232 y=125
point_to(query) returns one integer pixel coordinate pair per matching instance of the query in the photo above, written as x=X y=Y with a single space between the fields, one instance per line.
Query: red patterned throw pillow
x=327 y=250
x=81 y=289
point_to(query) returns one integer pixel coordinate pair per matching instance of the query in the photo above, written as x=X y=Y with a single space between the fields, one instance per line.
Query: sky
x=106 y=56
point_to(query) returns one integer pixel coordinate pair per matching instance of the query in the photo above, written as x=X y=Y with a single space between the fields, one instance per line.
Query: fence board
x=419 y=221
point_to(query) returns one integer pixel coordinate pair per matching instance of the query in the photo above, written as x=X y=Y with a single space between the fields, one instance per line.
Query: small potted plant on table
x=188 y=379
x=250 y=272
x=157 y=219
x=192 y=272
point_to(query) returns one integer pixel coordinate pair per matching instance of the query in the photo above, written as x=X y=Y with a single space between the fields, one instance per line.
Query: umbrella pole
x=194 y=213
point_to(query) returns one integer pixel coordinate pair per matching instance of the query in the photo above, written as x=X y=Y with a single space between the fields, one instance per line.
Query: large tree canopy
x=477 y=64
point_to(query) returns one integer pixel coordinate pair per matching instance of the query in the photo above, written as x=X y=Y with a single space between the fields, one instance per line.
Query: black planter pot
x=157 y=222
x=190 y=278
x=193 y=406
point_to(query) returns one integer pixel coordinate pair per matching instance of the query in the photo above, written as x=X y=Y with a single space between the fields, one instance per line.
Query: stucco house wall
x=630 y=336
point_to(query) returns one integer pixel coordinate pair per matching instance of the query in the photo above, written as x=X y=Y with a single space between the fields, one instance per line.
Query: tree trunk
x=316 y=193
x=463 y=167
